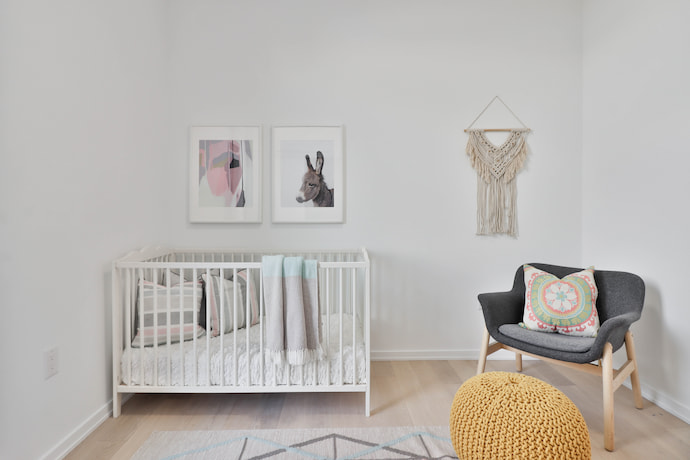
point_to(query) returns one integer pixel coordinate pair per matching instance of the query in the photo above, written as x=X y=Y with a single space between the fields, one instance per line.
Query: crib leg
x=367 y=404
x=117 y=404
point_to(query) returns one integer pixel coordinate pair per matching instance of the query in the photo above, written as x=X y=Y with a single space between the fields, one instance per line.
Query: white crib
x=162 y=290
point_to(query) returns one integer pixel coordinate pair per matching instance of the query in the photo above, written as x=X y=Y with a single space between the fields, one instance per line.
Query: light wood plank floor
x=403 y=393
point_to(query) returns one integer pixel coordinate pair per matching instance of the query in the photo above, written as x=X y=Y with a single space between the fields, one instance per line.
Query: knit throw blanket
x=293 y=329
x=496 y=168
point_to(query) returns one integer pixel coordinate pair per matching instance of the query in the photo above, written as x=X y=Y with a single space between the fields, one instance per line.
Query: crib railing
x=152 y=290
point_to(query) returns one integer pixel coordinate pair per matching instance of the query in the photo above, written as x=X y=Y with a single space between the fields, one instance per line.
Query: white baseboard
x=419 y=355
x=431 y=355
x=72 y=440
x=667 y=403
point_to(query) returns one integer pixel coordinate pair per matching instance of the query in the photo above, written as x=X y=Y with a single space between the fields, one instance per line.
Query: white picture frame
x=225 y=174
x=325 y=148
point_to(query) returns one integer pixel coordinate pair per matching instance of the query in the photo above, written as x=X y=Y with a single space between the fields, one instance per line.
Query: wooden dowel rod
x=488 y=130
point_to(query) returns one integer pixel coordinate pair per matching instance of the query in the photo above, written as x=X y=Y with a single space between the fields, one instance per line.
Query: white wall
x=82 y=179
x=404 y=78
x=636 y=189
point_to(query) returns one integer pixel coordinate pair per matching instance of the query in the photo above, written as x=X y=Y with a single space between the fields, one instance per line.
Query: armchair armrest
x=613 y=330
x=501 y=308
x=618 y=322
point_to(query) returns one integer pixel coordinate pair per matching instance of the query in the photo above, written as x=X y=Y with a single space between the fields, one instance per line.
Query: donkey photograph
x=314 y=186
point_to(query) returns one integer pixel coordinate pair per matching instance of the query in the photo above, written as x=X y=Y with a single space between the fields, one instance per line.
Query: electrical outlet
x=50 y=363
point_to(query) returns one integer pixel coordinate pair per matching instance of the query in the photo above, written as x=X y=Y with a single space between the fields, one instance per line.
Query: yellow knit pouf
x=503 y=415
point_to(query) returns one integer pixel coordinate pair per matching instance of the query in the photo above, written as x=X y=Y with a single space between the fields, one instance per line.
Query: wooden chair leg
x=483 y=352
x=518 y=362
x=607 y=380
x=635 y=375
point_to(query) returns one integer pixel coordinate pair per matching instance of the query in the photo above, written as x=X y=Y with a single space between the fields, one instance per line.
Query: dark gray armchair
x=619 y=304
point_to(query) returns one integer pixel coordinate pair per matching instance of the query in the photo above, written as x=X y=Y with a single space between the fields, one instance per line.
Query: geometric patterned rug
x=325 y=444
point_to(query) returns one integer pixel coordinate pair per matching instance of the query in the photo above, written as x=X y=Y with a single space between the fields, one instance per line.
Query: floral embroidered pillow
x=564 y=305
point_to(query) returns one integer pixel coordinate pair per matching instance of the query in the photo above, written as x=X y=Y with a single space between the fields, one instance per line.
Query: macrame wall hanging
x=497 y=166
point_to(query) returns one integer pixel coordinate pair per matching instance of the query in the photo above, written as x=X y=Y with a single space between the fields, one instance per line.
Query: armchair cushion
x=558 y=342
x=564 y=305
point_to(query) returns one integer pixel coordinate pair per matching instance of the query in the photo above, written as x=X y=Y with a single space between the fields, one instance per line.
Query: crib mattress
x=181 y=364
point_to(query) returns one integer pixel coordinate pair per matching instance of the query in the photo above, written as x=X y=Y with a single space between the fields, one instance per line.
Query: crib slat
x=261 y=328
x=367 y=331
x=195 y=361
x=129 y=275
x=141 y=324
x=248 y=322
x=223 y=319
x=327 y=272
x=155 y=326
x=168 y=332
x=353 y=299
x=234 y=325
x=208 y=315
x=340 y=323
x=181 y=293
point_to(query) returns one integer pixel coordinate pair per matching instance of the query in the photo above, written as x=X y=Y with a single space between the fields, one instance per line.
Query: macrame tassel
x=482 y=192
x=511 y=216
x=496 y=184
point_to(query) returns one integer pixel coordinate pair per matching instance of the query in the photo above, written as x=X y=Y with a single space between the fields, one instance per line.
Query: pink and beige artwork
x=222 y=166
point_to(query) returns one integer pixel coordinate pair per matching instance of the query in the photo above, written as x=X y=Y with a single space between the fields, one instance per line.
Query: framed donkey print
x=308 y=174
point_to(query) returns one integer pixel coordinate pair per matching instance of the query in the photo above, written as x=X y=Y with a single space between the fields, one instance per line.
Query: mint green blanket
x=293 y=329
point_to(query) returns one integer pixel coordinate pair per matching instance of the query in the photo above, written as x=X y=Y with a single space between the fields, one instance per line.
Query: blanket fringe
x=301 y=357
x=295 y=357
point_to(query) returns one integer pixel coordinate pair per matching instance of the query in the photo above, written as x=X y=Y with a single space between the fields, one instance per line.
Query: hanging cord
x=505 y=105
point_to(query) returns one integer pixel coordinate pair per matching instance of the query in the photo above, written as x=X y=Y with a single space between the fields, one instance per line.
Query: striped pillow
x=213 y=302
x=166 y=314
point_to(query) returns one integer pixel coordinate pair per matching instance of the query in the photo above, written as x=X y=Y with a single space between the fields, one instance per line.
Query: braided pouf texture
x=504 y=415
